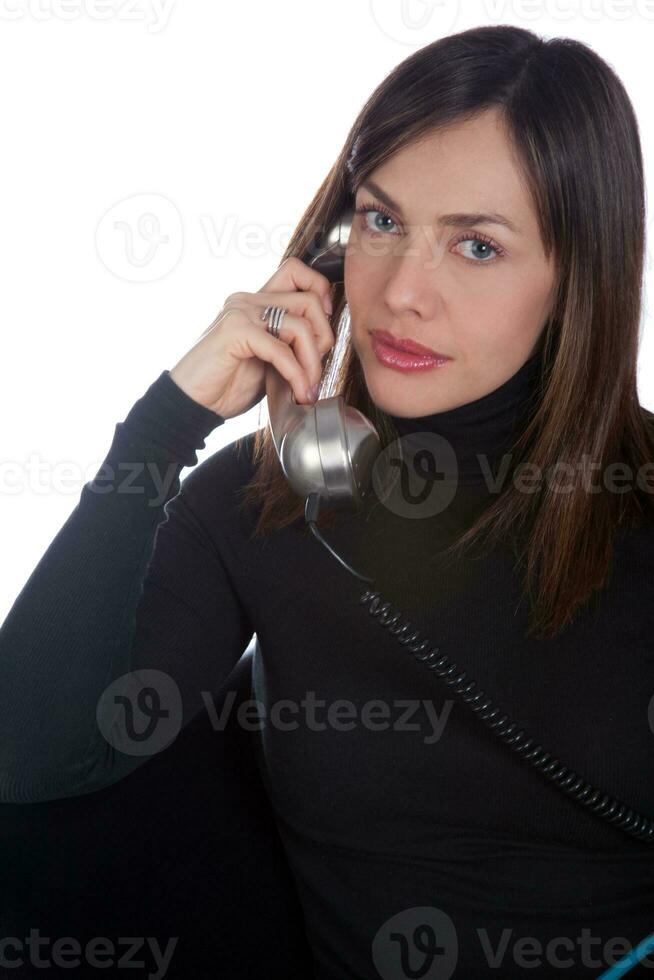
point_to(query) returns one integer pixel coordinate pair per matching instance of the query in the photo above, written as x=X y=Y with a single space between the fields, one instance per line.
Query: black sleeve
x=127 y=619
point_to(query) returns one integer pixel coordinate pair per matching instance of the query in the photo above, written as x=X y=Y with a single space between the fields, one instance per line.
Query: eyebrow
x=456 y=219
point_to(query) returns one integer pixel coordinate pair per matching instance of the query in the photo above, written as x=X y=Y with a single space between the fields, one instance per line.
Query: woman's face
x=482 y=302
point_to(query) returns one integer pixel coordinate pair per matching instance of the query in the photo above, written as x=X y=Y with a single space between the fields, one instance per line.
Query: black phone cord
x=605 y=806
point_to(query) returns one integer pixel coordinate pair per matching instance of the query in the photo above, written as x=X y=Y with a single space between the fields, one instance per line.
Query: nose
x=413 y=282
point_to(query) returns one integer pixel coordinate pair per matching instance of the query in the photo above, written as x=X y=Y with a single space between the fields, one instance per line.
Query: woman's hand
x=225 y=370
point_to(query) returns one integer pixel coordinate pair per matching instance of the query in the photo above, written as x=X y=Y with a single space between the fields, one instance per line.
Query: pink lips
x=405 y=344
x=405 y=355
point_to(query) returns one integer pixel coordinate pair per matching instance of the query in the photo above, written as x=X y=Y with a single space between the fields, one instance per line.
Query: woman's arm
x=131 y=585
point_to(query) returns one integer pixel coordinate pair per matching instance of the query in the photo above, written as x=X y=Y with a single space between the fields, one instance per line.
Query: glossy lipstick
x=405 y=355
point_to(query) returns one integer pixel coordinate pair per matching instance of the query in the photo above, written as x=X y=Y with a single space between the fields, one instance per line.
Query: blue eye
x=369 y=209
x=487 y=244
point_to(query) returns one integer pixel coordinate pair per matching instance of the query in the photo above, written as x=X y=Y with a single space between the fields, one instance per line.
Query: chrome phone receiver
x=327 y=251
x=327 y=448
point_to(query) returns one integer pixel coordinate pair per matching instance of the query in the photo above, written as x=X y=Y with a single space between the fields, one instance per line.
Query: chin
x=396 y=395
x=398 y=403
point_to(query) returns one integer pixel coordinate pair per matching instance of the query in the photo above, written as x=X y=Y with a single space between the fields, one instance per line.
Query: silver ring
x=275 y=316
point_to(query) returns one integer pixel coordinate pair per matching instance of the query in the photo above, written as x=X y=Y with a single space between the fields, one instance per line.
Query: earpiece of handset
x=328 y=448
x=327 y=251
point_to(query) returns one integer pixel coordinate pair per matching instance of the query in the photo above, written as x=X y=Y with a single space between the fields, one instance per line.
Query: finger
x=302 y=304
x=298 y=333
x=278 y=353
x=293 y=273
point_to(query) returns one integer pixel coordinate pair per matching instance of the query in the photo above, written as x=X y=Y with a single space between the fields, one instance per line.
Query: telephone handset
x=326 y=451
x=329 y=447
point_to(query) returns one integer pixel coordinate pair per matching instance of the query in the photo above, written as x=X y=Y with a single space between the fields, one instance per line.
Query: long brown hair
x=576 y=137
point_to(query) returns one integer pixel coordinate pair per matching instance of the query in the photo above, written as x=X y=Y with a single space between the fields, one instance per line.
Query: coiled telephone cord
x=605 y=806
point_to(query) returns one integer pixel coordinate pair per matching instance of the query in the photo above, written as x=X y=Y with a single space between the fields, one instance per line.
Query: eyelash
x=465 y=237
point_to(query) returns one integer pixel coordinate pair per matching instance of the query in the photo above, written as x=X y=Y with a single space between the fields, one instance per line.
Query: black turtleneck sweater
x=407 y=825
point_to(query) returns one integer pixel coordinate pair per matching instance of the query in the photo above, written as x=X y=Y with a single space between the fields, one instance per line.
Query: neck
x=481 y=431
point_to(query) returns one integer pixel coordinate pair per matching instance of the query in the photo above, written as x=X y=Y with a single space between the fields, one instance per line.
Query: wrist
x=187 y=388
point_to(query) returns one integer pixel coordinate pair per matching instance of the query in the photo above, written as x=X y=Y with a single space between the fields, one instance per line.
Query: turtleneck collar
x=487 y=426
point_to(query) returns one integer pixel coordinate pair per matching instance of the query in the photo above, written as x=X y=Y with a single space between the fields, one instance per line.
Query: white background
x=221 y=120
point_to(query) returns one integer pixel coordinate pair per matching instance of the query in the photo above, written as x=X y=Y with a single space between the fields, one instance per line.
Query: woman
x=417 y=842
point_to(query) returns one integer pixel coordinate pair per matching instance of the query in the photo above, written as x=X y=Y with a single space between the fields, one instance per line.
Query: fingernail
x=329 y=308
x=312 y=393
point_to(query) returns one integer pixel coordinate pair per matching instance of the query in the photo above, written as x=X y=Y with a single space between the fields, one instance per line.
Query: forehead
x=468 y=166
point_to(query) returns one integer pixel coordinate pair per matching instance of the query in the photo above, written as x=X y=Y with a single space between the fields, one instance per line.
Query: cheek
x=365 y=274
x=353 y=274
x=510 y=305
x=525 y=307
x=502 y=328
x=357 y=292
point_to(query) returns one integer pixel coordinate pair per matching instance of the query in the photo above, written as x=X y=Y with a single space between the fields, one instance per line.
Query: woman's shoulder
x=215 y=480
x=212 y=488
